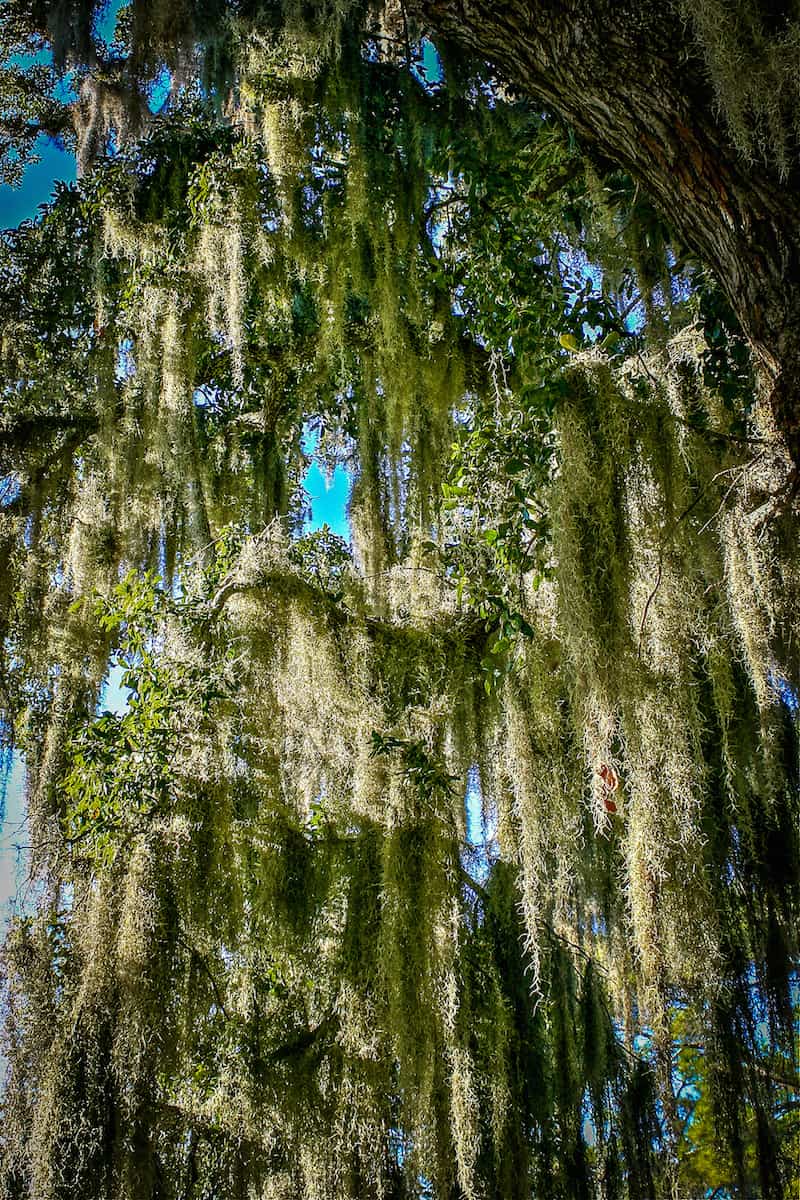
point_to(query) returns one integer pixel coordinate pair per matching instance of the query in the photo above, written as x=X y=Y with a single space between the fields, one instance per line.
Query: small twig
x=660 y=573
x=626 y=312
x=195 y=953
x=406 y=37
x=792 y=1082
x=384 y=37
x=651 y=597
x=647 y=370
x=478 y=888
x=482 y=894
x=727 y=494
x=738 y=439
x=398 y=567
x=740 y=468
x=439 y=205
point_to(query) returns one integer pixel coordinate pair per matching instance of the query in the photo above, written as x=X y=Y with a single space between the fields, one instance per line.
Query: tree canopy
x=460 y=858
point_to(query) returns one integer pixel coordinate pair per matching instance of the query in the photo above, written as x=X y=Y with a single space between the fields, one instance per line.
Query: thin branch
x=439 y=205
x=724 y=500
x=303 y=1041
x=406 y=37
x=478 y=888
x=573 y=945
x=567 y=176
x=740 y=468
x=736 y=439
x=651 y=598
x=628 y=309
x=792 y=1082
x=200 y=958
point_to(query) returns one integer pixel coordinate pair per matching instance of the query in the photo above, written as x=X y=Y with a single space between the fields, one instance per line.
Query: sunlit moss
x=287 y=974
x=760 y=103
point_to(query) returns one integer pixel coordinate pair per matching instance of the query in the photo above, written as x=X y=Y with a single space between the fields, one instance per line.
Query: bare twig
x=201 y=960
x=739 y=469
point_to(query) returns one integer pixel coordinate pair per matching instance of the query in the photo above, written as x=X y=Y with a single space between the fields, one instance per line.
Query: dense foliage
x=271 y=953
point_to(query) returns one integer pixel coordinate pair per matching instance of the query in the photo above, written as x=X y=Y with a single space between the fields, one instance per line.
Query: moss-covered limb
x=463 y=633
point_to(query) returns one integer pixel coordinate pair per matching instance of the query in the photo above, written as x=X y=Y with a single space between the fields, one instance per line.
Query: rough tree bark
x=628 y=79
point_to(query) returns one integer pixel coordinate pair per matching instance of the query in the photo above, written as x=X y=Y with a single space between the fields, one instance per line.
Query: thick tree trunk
x=628 y=79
